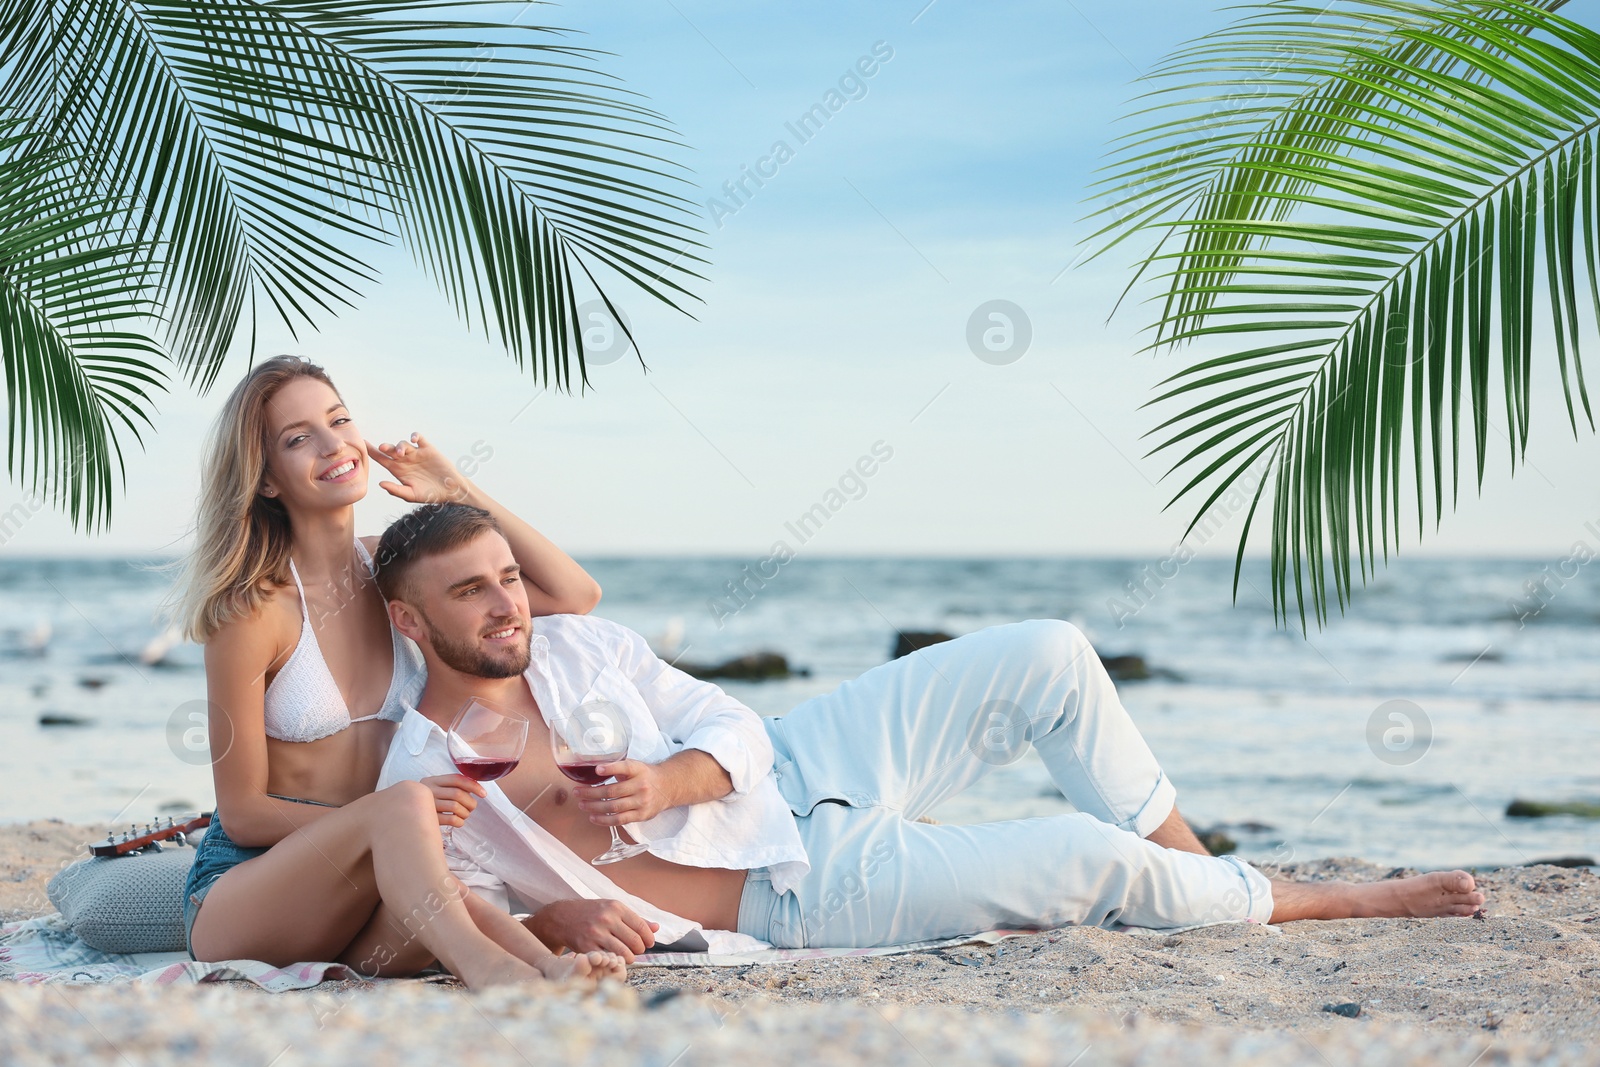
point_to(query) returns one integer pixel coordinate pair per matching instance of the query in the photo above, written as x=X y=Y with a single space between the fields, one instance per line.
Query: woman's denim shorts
x=215 y=857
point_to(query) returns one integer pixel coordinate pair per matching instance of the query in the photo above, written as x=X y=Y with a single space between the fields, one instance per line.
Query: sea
x=1399 y=733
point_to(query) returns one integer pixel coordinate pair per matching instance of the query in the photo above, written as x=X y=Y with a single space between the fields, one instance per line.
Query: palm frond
x=79 y=372
x=269 y=145
x=521 y=165
x=1365 y=236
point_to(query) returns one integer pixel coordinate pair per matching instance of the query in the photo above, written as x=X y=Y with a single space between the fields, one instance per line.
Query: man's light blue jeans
x=859 y=765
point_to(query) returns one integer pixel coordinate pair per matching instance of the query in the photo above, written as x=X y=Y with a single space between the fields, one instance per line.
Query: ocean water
x=1399 y=734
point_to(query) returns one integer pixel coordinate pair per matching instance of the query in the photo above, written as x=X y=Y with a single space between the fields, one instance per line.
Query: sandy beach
x=1519 y=986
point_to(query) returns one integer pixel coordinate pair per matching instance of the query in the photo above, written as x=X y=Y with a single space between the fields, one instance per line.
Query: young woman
x=305 y=679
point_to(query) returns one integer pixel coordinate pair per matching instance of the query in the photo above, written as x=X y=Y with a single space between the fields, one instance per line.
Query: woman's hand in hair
x=556 y=584
x=425 y=475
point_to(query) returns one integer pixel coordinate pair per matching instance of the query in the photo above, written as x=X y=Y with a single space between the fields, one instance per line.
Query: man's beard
x=470 y=658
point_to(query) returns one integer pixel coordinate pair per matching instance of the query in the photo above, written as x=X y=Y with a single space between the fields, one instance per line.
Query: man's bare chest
x=539 y=789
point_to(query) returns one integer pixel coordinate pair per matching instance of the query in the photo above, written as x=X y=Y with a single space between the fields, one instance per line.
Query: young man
x=802 y=831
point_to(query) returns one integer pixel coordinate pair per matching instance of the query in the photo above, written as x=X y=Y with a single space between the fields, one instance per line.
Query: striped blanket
x=45 y=950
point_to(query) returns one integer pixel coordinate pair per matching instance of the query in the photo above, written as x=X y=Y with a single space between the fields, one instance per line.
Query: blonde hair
x=242 y=538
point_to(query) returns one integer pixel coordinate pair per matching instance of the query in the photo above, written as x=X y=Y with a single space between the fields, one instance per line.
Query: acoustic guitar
x=135 y=839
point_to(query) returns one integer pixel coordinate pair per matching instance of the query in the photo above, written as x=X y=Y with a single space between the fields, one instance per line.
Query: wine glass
x=485 y=742
x=595 y=733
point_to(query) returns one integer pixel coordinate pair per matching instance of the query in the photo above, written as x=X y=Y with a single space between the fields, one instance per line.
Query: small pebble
x=662 y=996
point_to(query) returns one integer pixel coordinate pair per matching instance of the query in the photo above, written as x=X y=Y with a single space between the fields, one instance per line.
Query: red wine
x=485 y=768
x=584 y=773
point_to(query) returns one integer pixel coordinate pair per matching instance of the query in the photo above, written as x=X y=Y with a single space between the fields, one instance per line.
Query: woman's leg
x=518 y=940
x=314 y=892
x=387 y=947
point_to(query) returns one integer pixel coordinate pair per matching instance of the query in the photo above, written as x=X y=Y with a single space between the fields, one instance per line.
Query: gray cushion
x=122 y=904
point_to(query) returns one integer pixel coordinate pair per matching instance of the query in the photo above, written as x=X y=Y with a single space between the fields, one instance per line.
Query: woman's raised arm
x=557 y=585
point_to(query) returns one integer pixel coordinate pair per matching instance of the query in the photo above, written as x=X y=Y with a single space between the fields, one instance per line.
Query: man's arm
x=492 y=864
x=591 y=925
x=644 y=790
x=726 y=750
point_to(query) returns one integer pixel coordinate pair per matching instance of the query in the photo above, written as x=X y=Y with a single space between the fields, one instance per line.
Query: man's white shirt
x=579 y=658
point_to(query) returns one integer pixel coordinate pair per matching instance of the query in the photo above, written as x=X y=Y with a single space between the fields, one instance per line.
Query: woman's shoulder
x=273 y=619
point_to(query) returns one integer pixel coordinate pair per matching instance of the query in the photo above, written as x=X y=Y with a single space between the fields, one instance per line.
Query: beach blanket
x=46 y=951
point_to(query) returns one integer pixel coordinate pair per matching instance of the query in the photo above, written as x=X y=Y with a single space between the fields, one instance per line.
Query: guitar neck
x=135 y=838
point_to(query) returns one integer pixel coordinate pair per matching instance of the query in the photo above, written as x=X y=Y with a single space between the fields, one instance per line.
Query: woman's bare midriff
x=343 y=766
x=336 y=769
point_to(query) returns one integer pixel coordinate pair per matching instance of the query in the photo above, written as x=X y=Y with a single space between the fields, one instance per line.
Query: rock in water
x=1216 y=841
x=1538 y=809
x=1126 y=668
x=56 y=718
x=1129 y=668
x=1135 y=668
x=1563 y=861
x=908 y=641
x=1486 y=656
x=751 y=667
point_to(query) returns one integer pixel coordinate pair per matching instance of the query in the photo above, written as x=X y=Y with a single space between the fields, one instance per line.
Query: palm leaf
x=78 y=370
x=1363 y=235
x=269 y=145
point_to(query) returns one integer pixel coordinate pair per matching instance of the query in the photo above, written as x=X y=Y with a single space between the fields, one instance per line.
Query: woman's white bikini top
x=303 y=703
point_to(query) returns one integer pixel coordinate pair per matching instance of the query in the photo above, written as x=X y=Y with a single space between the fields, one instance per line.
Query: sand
x=1519 y=986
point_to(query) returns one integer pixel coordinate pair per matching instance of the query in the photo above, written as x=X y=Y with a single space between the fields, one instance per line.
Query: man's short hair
x=425 y=531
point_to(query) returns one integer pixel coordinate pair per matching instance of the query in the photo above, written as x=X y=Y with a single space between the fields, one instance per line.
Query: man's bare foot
x=584 y=969
x=1422 y=896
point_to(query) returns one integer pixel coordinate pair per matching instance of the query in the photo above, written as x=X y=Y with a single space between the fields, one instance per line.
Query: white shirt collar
x=415 y=729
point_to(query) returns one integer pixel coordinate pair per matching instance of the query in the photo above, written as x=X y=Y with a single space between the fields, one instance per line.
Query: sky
x=833 y=336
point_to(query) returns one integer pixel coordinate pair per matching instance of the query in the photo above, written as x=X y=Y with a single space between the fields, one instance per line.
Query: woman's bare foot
x=1422 y=896
x=509 y=971
x=607 y=965
x=585 y=969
